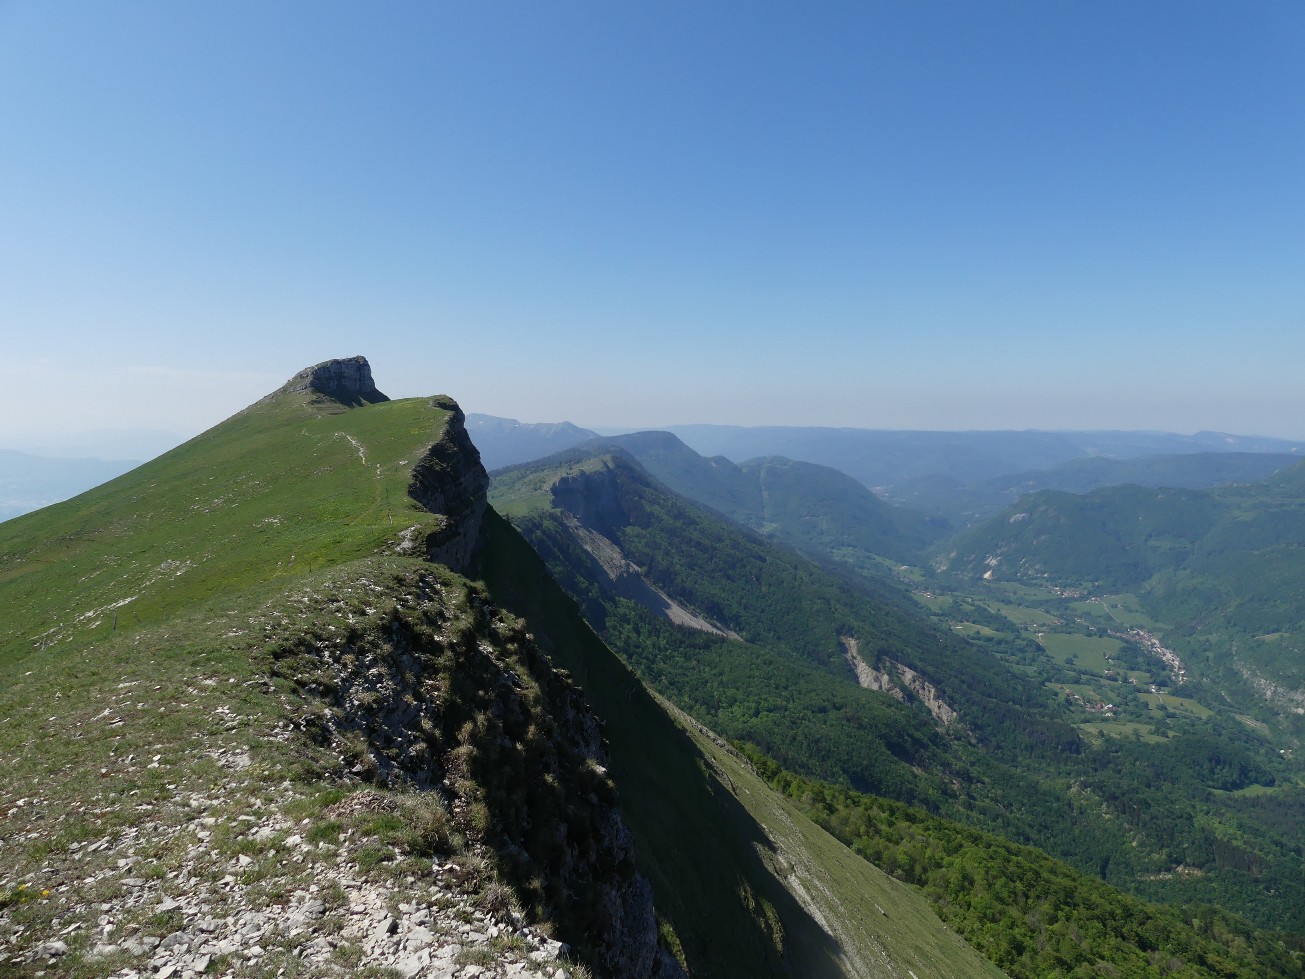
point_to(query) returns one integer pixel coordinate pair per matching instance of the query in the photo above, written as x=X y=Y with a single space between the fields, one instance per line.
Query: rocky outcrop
x=428 y=686
x=866 y=675
x=906 y=679
x=927 y=693
x=449 y=480
x=348 y=381
x=623 y=578
x=1280 y=696
x=234 y=842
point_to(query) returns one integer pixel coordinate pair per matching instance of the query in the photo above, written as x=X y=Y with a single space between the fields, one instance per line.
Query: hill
x=840 y=681
x=966 y=504
x=507 y=442
x=290 y=699
x=814 y=508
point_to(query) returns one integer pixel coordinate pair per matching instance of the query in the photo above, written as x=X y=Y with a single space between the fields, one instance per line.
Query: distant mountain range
x=881 y=459
x=965 y=503
x=812 y=507
x=506 y=441
x=960 y=477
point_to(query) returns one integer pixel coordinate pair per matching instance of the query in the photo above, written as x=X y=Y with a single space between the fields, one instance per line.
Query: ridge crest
x=347 y=380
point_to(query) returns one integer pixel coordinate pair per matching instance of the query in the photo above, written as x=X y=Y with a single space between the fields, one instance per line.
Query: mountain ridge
x=363 y=646
x=265 y=663
x=883 y=458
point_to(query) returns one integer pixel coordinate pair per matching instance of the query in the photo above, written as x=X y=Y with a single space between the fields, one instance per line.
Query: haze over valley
x=675 y=492
x=1084 y=694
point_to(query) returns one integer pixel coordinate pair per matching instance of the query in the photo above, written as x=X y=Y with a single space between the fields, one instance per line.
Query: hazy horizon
x=137 y=445
x=953 y=217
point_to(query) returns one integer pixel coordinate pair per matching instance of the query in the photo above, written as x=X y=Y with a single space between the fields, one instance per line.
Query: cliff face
x=449 y=480
x=433 y=688
x=597 y=498
x=347 y=380
x=430 y=687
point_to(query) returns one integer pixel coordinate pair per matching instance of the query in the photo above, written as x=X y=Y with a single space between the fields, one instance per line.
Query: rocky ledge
x=348 y=381
x=227 y=882
x=449 y=480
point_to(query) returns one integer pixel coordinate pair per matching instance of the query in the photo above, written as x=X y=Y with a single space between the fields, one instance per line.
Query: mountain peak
x=348 y=381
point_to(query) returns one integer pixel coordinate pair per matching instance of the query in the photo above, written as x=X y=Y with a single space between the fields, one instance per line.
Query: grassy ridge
x=275 y=492
x=145 y=641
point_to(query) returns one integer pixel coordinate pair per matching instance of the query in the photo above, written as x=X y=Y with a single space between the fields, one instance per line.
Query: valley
x=270 y=709
x=627 y=711
x=1047 y=715
x=1097 y=653
x=830 y=503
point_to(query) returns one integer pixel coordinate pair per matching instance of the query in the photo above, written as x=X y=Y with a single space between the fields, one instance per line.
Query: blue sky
x=906 y=215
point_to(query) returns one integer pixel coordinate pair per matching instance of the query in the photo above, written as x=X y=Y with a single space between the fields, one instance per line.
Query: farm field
x=1088 y=652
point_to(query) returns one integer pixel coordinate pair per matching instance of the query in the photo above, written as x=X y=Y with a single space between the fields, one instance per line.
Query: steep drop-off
x=256 y=719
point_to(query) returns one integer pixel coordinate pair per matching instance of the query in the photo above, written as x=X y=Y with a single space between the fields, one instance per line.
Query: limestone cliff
x=449 y=480
x=906 y=680
x=437 y=690
x=347 y=380
x=432 y=688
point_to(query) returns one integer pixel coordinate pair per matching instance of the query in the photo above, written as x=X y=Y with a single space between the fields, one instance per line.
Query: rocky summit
x=347 y=380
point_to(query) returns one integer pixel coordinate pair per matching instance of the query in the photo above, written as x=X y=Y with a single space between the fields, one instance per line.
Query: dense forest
x=1032 y=915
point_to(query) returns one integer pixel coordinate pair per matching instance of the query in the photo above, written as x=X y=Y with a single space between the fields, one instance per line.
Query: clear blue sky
x=890 y=215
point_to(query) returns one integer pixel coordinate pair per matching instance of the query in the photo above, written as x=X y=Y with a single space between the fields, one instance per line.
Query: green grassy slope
x=291 y=486
x=163 y=640
x=881 y=926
